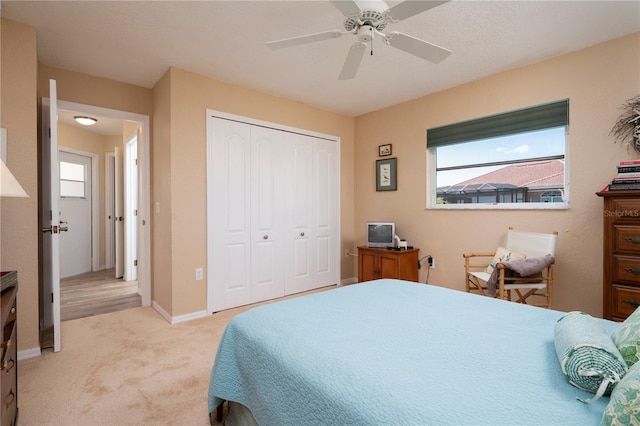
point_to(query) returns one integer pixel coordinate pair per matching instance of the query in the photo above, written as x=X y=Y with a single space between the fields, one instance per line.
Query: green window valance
x=530 y=119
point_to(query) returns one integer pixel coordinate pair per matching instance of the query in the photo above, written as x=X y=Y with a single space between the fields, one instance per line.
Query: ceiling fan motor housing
x=374 y=18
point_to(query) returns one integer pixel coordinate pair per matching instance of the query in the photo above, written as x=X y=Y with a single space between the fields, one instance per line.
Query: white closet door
x=326 y=269
x=272 y=212
x=300 y=250
x=230 y=168
x=267 y=227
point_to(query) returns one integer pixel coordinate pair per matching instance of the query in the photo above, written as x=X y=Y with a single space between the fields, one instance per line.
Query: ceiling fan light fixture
x=85 y=121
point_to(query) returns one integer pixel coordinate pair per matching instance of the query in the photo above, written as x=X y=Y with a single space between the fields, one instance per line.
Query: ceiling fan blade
x=408 y=8
x=352 y=63
x=310 y=38
x=348 y=8
x=417 y=47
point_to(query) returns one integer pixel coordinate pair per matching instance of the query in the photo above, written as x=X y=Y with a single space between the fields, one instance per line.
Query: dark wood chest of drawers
x=9 y=361
x=621 y=253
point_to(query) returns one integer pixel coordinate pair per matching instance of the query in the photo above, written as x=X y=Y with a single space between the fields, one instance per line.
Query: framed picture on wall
x=384 y=150
x=386 y=175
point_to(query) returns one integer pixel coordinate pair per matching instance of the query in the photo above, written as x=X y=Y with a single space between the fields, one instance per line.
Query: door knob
x=52 y=229
x=64 y=228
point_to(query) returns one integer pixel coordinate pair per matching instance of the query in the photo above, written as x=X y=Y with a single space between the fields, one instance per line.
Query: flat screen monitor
x=380 y=234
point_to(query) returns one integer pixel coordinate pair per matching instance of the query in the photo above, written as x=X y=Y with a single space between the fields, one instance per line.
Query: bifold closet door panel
x=326 y=268
x=268 y=179
x=300 y=250
x=230 y=219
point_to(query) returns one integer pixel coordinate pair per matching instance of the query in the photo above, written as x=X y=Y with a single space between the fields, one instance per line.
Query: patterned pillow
x=627 y=338
x=587 y=355
x=502 y=254
x=623 y=408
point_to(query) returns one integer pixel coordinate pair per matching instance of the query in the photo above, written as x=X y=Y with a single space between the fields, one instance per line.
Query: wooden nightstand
x=375 y=263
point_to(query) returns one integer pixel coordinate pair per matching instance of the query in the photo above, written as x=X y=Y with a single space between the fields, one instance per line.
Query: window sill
x=504 y=206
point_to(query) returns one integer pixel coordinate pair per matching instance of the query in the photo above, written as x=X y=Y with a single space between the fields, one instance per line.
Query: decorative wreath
x=627 y=127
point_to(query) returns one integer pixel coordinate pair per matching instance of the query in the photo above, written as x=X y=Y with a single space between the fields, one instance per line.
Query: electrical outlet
x=432 y=262
x=199 y=274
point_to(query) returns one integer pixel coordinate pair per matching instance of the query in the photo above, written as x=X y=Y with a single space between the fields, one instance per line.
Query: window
x=72 y=180
x=511 y=160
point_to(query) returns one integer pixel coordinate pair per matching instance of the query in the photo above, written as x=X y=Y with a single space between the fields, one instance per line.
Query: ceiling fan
x=366 y=19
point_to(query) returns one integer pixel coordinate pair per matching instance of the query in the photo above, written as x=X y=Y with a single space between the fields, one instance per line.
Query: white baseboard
x=180 y=318
x=29 y=353
x=188 y=317
x=164 y=314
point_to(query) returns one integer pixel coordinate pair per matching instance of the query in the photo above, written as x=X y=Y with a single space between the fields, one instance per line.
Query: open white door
x=131 y=210
x=110 y=213
x=119 y=219
x=50 y=215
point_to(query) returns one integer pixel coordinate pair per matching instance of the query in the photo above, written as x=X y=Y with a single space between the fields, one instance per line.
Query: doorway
x=88 y=285
x=142 y=236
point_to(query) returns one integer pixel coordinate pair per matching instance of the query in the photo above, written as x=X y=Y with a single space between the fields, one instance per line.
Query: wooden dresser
x=621 y=251
x=9 y=361
x=375 y=263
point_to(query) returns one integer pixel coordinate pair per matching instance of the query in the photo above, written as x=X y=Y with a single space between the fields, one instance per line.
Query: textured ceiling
x=137 y=41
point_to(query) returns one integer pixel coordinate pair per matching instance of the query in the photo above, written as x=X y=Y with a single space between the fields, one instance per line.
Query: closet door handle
x=302 y=234
x=265 y=237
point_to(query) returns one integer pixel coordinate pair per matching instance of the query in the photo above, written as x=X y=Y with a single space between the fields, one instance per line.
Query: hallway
x=96 y=293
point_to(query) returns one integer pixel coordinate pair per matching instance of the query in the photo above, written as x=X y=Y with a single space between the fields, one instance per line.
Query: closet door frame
x=211 y=202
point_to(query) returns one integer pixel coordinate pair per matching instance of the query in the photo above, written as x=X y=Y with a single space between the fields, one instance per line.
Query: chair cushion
x=623 y=408
x=627 y=338
x=503 y=255
x=587 y=354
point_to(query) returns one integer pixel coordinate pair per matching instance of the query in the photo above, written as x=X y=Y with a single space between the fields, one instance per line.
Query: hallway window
x=72 y=180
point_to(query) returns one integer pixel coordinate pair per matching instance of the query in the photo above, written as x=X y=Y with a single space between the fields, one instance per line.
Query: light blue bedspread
x=392 y=352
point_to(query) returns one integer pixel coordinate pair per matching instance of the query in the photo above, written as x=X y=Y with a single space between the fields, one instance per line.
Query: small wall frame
x=386 y=175
x=384 y=150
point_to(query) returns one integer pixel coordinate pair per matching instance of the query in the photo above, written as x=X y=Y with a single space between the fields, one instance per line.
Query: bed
x=396 y=352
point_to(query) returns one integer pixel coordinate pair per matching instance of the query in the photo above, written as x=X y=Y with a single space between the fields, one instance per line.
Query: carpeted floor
x=123 y=368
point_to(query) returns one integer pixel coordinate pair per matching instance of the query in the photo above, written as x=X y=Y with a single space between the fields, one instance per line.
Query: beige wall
x=19 y=233
x=161 y=248
x=96 y=91
x=597 y=80
x=189 y=96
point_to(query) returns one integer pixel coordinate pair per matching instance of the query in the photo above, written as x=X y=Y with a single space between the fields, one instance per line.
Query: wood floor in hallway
x=96 y=293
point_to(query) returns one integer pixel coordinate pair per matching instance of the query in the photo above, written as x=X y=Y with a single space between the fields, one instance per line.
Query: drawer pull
x=5 y=344
x=633 y=271
x=633 y=303
x=632 y=240
x=7 y=365
x=13 y=310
